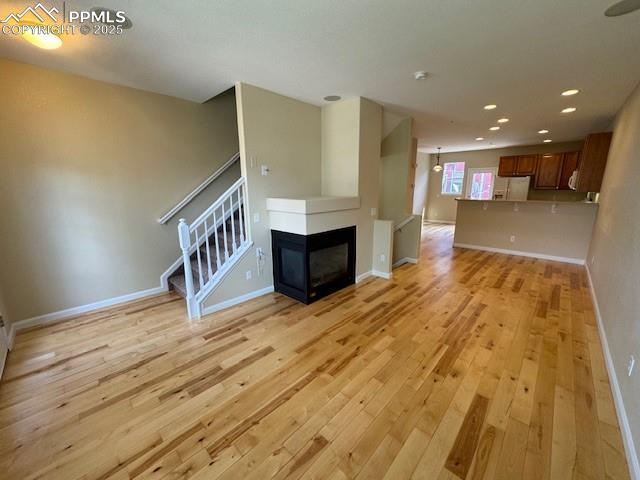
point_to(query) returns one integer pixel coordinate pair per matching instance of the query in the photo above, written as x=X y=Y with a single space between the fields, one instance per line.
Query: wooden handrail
x=185 y=201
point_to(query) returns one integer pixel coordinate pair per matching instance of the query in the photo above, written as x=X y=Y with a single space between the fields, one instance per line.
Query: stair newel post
x=215 y=235
x=240 y=215
x=184 y=236
x=233 y=224
x=224 y=233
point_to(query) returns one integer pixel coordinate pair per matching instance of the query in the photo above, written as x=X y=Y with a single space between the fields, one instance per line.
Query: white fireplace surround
x=309 y=215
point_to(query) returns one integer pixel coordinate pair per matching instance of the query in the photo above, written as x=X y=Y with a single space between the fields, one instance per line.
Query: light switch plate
x=256 y=217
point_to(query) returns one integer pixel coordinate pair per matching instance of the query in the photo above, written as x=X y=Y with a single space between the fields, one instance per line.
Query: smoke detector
x=421 y=75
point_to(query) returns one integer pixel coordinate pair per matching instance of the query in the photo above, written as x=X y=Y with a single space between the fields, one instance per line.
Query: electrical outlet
x=374 y=211
x=632 y=363
x=512 y=239
x=516 y=207
x=554 y=208
x=383 y=257
x=248 y=275
x=485 y=205
x=256 y=217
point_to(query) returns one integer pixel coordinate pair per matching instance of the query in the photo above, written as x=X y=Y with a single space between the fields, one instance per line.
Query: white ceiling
x=517 y=54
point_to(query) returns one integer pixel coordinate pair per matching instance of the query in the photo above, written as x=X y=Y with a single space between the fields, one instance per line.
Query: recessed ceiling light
x=569 y=110
x=547 y=140
x=543 y=131
x=332 y=98
x=622 y=8
x=421 y=75
x=503 y=120
x=39 y=37
x=494 y=128
x=490 y=107
x=568 y=93
x=478 y=139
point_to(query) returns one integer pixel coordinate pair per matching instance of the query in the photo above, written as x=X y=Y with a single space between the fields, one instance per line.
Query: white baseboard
x=235 y=301
x=386 y=275
x=623 y=420
x=404 y=260
x=363 y=276
x=74 y=311
x=435 y=220
x=542 y=256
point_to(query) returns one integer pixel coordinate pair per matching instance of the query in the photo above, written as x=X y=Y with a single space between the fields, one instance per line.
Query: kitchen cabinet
x=517 y=165
x=570 y=162
x=593 y=161
x=526 y=165
x=507 y=166
x=555 y=169
x=549 y=171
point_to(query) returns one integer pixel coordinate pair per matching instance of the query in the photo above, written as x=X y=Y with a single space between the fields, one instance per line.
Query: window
x=480 y=183
x=452 y=178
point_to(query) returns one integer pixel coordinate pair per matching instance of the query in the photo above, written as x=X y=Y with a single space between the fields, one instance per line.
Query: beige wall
x=614 y=256
x=423 y=168
x=406 y=240
x=396 y=153
x=285 y=135
x=340 y=134
x=87 y=168
x=443 y=207
x=565 y=233
x=382 y=246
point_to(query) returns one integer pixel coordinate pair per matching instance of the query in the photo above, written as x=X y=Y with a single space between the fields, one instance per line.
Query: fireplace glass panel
x=292 y=267
x=328 y=264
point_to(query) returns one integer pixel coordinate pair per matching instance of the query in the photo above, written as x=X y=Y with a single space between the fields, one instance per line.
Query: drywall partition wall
x=540 y=229
x=406 y=241
x=396 y=157
x=368 y=180
x=442 y=208
x=87 y=169
x=282 y=134
x=382 y=247
x=421 y=182
x=614 y=263
x=340 y=133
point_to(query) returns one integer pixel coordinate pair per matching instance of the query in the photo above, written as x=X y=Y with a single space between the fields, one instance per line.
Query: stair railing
x=214 y=255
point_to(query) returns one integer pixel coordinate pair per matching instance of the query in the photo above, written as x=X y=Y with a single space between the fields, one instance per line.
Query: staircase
x=211 y=245
x=177 y=281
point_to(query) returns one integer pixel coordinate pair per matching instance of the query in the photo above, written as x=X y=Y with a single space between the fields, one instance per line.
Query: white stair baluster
x=206 y=236
x=240 y=215
x=215 y=233
x=233 y=224
x=224 y=233
x=200 y=279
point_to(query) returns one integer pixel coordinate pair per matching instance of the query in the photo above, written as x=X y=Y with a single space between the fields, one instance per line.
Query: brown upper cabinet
x=555 y=169
x=517 y=165
x=593 y=161
x=549 y=171
x=570 y=163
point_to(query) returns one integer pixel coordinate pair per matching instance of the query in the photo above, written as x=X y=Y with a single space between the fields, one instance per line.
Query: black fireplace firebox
x=309 y=267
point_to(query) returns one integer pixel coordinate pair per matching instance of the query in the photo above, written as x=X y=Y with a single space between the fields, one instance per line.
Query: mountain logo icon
x=39 y=11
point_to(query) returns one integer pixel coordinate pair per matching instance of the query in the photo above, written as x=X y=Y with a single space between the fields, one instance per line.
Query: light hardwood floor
x=468 y=365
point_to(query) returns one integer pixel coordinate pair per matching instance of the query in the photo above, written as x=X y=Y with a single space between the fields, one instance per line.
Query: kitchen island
x=550 y=230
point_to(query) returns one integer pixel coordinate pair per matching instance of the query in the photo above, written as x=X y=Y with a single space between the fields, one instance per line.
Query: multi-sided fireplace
x=309 y=267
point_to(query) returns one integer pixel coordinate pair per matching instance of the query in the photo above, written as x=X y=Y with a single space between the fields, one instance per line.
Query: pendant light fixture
x=437 y=167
